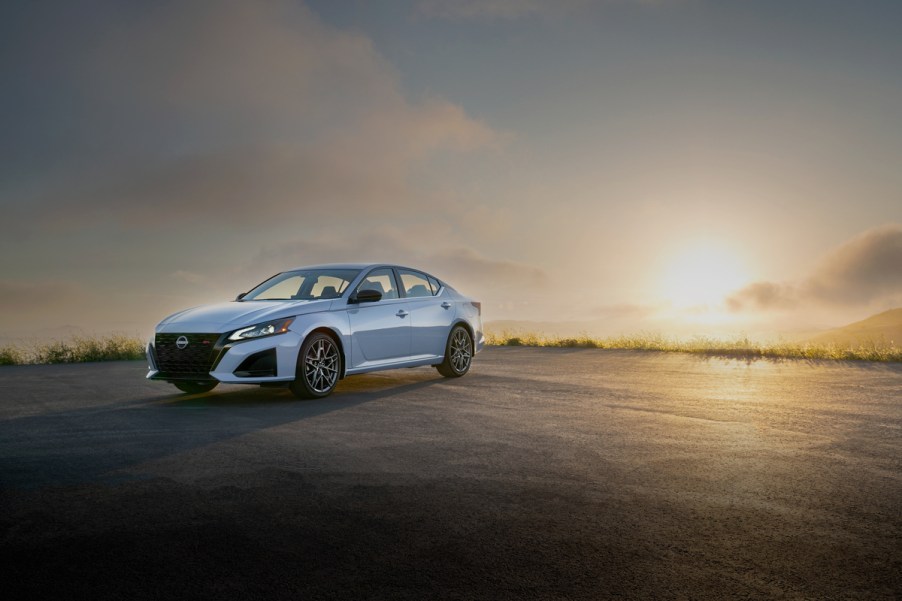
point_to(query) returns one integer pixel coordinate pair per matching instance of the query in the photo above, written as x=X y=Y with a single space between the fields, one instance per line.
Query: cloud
x=509 y=9
x=764 y=295
x=485 y=9
x=620 y=311
x=462 y=267
x=863 y=270
x=18 y=298
x=867 y=267
x=190 y=277
x=235 y=111
x=473 y=269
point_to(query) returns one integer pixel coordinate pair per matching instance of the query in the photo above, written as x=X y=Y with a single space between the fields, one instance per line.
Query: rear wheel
x=195 y=387
x=319 y=364
x=458 y=354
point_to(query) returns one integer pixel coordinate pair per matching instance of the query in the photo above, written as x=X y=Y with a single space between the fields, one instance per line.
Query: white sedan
x=310 y=327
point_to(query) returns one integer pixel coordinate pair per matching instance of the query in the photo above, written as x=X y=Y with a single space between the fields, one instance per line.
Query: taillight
x=478 y=306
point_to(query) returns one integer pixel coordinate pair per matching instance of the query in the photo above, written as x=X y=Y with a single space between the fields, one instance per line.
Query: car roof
x=353 y=266
x=335 y=266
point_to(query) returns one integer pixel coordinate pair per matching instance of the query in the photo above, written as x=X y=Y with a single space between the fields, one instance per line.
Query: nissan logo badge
x=181 y=342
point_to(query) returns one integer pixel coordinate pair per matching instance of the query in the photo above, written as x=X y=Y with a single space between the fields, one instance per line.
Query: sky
x=672 y=166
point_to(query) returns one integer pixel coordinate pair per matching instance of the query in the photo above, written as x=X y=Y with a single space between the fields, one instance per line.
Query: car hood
x=223 y=317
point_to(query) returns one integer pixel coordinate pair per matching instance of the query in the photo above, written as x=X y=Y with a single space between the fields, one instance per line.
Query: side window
x=381 y=280
x=328 y=286
x=435 y=285
x=415 y=284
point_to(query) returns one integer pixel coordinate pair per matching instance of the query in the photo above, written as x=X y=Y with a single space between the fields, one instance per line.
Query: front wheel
x=319 y=364
x=458 y=354
x=195 y=387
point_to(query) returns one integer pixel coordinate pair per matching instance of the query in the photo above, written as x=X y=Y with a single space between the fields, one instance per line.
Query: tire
x=319 y=367
x=198 y=387
x=458 y=353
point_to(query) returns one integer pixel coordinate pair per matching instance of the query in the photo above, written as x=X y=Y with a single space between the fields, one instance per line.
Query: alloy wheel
x=461 y=350
x=321 y=364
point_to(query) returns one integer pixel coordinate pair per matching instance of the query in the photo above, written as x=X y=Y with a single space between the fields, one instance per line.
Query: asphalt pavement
x=542 y=474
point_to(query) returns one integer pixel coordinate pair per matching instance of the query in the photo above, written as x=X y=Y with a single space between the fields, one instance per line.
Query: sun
x=702 y=275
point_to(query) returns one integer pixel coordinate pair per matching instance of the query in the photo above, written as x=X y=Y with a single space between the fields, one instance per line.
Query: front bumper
x=235 y=362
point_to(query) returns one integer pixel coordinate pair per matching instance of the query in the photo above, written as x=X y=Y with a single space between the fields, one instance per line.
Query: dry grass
x=739 y=348
x=80 y=349
x=118 y=347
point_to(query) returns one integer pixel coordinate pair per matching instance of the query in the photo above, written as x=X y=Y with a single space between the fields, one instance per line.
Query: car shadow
x=351 y=389
x=95 y=444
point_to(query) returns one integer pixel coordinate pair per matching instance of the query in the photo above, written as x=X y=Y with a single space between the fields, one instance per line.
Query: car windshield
x=306 y=284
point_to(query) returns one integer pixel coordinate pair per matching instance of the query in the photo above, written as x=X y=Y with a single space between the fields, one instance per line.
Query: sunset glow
x=620 y=166
x=701 y=275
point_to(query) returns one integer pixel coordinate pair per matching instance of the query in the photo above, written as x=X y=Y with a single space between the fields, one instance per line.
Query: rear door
x=431 y=313
x=380 y=331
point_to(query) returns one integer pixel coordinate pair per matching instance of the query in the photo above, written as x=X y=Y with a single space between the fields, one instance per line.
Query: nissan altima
x=310 y=327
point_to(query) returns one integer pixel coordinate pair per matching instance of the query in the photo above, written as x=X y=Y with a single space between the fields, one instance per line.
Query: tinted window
x=415 y=284
x=328 y=286
x=380 y=280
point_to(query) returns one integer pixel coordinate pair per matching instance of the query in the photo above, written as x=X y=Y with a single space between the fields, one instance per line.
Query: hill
x=881 y=329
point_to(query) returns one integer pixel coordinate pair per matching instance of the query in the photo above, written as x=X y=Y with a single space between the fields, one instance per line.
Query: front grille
x=196 y=359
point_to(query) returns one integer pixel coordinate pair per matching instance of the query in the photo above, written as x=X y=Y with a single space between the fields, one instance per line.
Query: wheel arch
x=463 y=322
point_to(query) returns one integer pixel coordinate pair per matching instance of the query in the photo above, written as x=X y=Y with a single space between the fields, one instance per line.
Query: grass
x=118 y=347
x=80 y=349
x=738 y=348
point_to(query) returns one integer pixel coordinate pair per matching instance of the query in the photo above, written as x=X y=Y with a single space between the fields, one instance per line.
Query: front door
x=380 y=331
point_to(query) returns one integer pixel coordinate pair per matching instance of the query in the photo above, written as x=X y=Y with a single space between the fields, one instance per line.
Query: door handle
x=446 y=305
x=402 y=313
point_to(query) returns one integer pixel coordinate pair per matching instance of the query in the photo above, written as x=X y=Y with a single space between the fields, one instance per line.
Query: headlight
x=270 y=328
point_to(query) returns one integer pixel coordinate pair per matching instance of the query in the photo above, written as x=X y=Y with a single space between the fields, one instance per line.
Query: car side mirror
x=366 y=296
x=240 y=296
